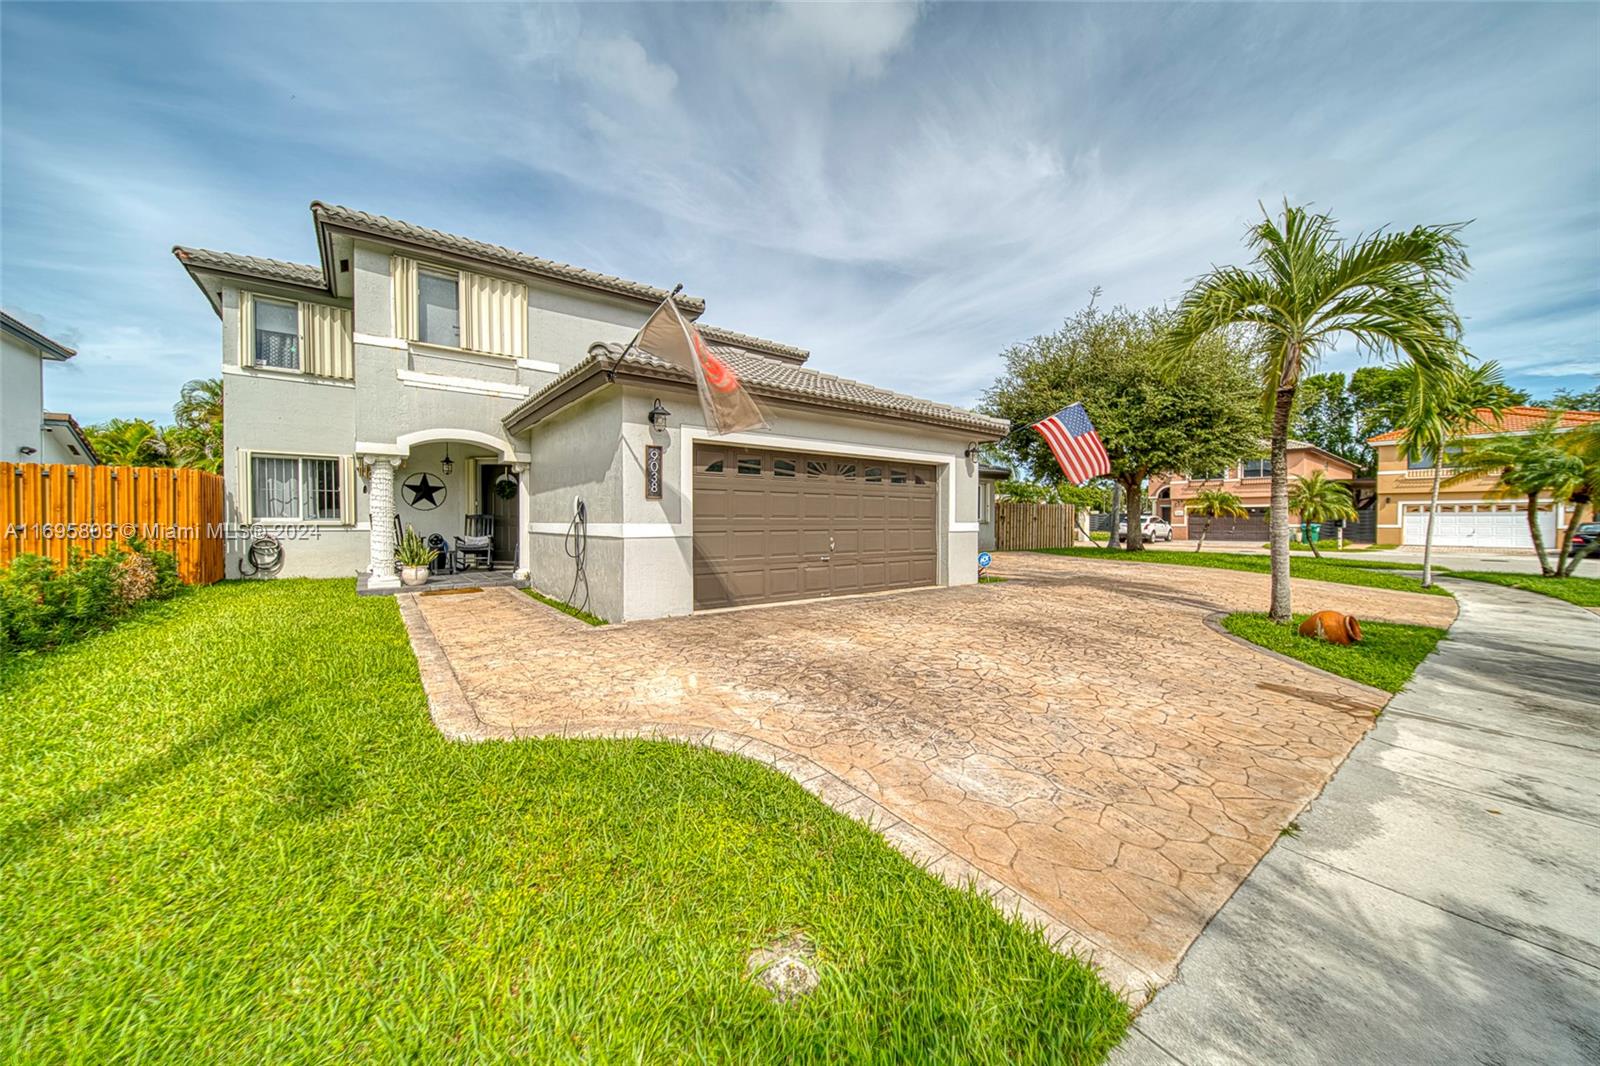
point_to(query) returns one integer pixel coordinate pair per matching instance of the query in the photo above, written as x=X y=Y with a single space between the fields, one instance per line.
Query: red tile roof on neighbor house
x=1513 y=420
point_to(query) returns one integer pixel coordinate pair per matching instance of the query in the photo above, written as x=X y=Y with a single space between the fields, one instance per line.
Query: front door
x=497 y=496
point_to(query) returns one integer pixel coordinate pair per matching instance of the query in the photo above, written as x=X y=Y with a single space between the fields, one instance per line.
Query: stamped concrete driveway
x=1076 y=741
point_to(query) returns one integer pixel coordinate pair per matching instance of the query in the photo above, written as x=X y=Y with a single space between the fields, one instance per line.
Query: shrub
x=43 y=605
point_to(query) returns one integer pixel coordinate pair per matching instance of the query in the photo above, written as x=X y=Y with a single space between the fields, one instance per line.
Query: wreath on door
x=505 y=486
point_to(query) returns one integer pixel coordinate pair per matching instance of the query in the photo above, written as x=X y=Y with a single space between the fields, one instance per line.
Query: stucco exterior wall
x=577 y=454
x=21 y=402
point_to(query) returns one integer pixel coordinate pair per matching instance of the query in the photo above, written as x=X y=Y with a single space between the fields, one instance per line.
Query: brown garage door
x=775 y=525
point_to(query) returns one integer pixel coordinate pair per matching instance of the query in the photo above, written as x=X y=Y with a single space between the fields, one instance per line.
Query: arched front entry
x=449 y=483
x=1164 y=504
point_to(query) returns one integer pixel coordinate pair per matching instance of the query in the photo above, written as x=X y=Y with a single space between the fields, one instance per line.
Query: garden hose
x=576 y=543
x=263 y=556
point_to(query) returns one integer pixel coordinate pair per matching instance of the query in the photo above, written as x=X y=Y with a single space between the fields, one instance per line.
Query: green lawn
x=232 y=835
x=1367 y=573
x=1385 y=658
x=1583 y=591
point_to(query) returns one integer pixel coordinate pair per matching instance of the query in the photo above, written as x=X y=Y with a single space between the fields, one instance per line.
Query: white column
x=380 y=507
x=524 y=520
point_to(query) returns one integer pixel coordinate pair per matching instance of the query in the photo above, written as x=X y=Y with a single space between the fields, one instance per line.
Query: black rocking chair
x=478 y=544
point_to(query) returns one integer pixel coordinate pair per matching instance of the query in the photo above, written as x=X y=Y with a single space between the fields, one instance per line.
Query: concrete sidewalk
x=1441 y=902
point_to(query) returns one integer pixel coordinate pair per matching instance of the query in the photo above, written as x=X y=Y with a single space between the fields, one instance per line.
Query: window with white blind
x=439 y=308
x=296 y=489
x=277 y=334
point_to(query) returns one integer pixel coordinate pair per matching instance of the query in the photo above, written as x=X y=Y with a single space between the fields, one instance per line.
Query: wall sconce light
x=658 y=414
x=972 y=450
x=445 y=464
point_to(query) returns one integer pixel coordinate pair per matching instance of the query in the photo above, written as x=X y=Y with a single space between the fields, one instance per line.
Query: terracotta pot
x=413 y=575
x=1333 y=627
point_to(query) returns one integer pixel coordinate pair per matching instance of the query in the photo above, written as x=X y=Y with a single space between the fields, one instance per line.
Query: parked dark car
x=1587 y=536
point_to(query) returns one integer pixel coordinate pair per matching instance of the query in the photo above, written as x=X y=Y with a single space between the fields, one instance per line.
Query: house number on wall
x=652 y=471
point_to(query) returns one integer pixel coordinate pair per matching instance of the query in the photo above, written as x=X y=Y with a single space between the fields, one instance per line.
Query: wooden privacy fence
x=1018 y=525
x=52 y=509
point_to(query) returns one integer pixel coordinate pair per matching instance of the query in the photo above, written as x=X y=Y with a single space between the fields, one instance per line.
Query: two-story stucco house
x=1475 y=512
x=29 y=433
x=1251 y=481
x=418 y=374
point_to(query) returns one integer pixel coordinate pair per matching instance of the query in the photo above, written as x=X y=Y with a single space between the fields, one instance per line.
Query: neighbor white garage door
x=1477 y=525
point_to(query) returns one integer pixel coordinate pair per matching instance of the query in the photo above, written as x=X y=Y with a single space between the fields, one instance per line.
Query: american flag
x=1075 y=444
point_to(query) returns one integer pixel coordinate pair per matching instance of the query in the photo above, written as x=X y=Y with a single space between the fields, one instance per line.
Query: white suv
x=1151 y=527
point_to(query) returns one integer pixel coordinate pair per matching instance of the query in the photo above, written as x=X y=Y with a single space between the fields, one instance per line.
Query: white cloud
x=857 y=38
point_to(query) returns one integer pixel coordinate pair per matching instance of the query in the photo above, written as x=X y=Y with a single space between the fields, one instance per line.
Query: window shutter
x=326 y=343
x=247 y=329
x=405 y=297
x=347 y=484
x=494 y=315
x=242 y=502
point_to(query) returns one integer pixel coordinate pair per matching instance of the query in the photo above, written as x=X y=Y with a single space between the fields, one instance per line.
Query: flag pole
x=611 y=374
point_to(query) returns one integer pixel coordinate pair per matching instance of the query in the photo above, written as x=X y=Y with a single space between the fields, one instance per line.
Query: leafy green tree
x=196 y=439
x=1150 y=422
x=1438 y=408
x=1527 y=465
x=1325 y=414
x=1317 y=500
x=1387 y=292
x=1212 y=504
x=1567 y=400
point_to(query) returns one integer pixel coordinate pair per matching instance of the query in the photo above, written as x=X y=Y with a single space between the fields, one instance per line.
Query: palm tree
x=196 y=440
x=1527 y=465
x=128 y=442
x=199 y=403
x=1317 y=500
x=1439 y=407
x=1212 y=504
x=1388 y=292
x=1584 y=443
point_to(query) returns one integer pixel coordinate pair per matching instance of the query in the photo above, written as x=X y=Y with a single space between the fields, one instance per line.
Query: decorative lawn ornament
x=1333 y=627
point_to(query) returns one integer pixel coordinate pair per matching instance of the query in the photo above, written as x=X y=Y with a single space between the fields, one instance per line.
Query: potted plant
x=414 y=557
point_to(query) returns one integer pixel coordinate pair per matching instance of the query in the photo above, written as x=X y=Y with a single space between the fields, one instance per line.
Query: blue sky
x=906 y=190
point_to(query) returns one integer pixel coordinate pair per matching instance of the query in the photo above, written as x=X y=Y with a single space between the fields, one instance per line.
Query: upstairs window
x=1425 y=460
x=1210 y=475
x=439 y=308
x=277 y=340
x=1258 y=468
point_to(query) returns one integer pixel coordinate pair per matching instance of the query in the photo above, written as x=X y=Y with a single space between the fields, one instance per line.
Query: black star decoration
x=425 y=493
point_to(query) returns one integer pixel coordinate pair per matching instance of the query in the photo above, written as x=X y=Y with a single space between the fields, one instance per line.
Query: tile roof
x=718 y=335
x=771 y=379
x=251 y=266
x=53 y=350
x=1512 y=420
x=336 y=215
x=61 y=418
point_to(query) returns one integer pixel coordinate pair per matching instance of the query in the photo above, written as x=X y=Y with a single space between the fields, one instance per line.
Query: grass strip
x=1581 y=591
x=1386 y=657
x=229 y=833
x=1367 y=574
x=566 y=608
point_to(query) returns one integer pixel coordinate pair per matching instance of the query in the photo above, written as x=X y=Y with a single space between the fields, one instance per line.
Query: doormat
x=450 y=592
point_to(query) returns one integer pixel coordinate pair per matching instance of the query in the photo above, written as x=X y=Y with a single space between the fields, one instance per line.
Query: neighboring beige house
x=1475 y=513
x=415 y=374
x=1251 y=481
x=29 y=433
